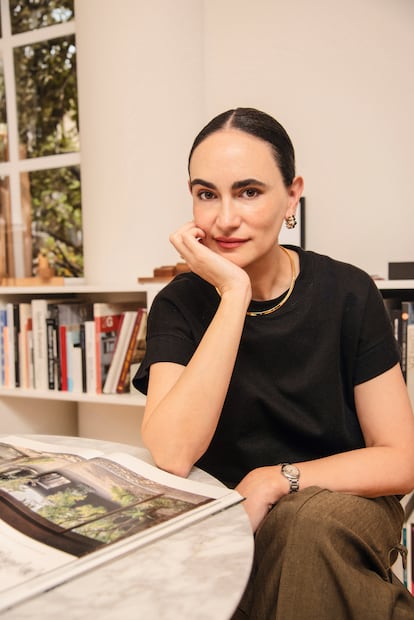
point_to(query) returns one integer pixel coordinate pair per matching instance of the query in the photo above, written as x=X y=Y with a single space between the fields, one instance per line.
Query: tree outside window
x=40 y=183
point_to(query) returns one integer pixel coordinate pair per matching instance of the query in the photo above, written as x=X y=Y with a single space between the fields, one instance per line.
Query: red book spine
x=107 y=327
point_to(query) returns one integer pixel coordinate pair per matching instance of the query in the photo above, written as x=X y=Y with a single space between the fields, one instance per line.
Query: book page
x=22 y=558
x=63 y=512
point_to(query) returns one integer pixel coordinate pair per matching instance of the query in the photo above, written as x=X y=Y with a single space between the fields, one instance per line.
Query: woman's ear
x=295 y=192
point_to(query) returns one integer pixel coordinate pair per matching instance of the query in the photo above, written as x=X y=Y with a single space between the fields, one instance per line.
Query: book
x=135 y=352
x=52 y=353
x=30 y=360
x=404 y=325
x=25 y=315
x=68 y=318
x=9 y=347
x=107 y=319
x=410 y=576
x=408 y=307
x=39 y=329
x=89 y=357
x=65 y=511
x=16 y=350
x=3 y=326
x=126 y=328
x=396 y=323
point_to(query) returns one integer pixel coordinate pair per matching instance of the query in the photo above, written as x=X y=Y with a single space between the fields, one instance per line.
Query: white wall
x=141 y=100
x=338 y=75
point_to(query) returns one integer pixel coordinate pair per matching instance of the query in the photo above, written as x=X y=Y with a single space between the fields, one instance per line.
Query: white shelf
x=394 y=284
x=144 y=293
x=80 y=289
x=136 y=399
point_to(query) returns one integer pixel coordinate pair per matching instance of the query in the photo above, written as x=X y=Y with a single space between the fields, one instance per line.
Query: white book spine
x=39 y=315
x=90 y=357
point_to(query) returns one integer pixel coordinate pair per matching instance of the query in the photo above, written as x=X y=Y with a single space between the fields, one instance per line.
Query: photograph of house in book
x=78 y=505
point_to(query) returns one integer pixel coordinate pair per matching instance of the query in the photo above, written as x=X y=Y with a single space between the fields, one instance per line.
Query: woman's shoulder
x=189 y=295
x=186 y=283
x=323 y=265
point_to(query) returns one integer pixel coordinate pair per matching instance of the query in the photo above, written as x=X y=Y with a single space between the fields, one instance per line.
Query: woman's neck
x=274 y=275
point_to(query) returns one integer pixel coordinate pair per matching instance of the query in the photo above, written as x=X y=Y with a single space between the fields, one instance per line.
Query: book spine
x=82 y=343
x=25 y=316
x=30 y=357
x=39 y=316
x=51 y=352
x=3 y=324
x=90 y=356
x=123 y=383
x=76 y=361
x=410 y=351
x=10 y=347
x=63 y=359
x=53 y=347
x=16 y=339
x=106 y=334
x=410 y=563
x=404 y=325
x=109 y=383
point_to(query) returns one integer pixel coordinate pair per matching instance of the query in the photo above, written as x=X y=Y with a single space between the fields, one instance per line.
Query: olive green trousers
x=321 y=555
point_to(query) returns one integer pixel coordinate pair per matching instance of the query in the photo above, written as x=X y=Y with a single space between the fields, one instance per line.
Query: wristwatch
x=292 y=473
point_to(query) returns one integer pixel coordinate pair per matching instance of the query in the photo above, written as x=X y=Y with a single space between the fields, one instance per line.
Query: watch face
x=291 y=470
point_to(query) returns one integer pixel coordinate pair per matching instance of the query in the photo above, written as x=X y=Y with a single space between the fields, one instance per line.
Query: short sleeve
x=378 y=349
x=169 y=339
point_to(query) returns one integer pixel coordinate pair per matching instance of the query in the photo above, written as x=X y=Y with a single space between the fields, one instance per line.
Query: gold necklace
x=286 y=297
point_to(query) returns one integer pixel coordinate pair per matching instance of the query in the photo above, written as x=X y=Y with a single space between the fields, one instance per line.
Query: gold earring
x=291 y=222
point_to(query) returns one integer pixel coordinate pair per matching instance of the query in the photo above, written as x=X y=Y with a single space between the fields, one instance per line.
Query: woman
x=276 y=370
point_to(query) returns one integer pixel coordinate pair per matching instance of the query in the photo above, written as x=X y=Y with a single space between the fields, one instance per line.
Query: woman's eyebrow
x=235 y=185
x=247 y=183
x=202 y=182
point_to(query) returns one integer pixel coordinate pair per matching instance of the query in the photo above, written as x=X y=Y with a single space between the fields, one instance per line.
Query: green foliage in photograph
x=31 y=14
x=65 y=508
x=46 y=90
x=57 y=219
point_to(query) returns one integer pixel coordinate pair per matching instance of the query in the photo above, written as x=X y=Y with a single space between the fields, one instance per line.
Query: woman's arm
x=384 y=467
x=184 y=403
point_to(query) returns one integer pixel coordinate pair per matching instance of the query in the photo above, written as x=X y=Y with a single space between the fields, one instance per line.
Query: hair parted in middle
x=260 y=125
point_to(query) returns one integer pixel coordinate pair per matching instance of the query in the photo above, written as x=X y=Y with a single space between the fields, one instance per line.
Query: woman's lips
x=229 y=243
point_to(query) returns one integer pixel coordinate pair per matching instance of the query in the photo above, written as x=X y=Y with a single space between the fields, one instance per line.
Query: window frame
x=15 y=166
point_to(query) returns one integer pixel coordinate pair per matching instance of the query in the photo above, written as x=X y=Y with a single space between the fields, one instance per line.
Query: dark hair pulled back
x=260 y=125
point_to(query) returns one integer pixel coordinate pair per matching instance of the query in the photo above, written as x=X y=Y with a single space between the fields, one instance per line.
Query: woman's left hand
x=261 y=488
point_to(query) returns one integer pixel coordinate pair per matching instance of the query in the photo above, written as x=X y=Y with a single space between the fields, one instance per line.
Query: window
x=40 y=184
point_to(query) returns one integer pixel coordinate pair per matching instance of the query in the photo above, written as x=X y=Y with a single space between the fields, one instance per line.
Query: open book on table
x=65 y=512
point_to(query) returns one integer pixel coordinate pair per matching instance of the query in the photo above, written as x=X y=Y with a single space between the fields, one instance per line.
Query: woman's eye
x=205 y=195
x=250 y=192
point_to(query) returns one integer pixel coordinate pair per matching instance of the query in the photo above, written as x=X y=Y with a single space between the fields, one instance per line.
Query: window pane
x=3 y=115
x=6 y=240
x=31 y=14
x=46 y=91
x=51 y=203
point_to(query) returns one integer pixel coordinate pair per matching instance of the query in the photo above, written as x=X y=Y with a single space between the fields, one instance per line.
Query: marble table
x=198 y=573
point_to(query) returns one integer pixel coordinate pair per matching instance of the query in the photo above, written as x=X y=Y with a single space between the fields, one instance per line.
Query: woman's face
x=239 y=198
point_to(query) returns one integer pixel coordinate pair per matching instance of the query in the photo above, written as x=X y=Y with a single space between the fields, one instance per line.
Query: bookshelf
x=402 y=290
x=103 y=416
x=396 y=288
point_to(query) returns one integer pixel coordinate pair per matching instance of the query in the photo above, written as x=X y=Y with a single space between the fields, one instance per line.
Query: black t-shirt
x=291 y=396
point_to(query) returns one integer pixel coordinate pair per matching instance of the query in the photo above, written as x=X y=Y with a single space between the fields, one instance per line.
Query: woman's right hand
x=184 y=403
x=215 y=269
